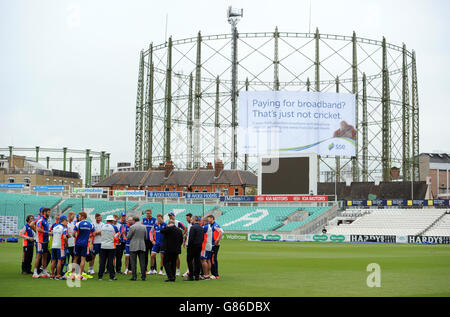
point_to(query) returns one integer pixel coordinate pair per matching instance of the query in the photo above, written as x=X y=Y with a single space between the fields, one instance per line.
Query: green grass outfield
x=267 y=269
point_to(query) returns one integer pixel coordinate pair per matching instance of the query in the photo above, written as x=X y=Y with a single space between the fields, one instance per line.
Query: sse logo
x=336 y=146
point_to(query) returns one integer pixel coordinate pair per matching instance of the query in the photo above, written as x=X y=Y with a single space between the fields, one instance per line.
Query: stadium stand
x=400 y=222
x=20 y=205
x=355 y=212
x=180 y=210
x=254 y=218
x=155 y=207
x=93 y=206
x=441 y=228
x=314 y=212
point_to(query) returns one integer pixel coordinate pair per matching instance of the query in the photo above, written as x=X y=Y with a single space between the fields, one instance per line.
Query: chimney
x=218 y=168
x=168 y=168
x=209 y=166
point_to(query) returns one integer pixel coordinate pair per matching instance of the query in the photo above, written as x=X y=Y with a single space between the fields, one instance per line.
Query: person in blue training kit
x=54 y=224
x=28 y=245
x=42 y=229
x=82 y=231
x=217 y=236
x=33 y=226
x=36 y=219
x=130 y=222
x=149 y=222
x=96 y=241
x=157 y=239
x=121 y=246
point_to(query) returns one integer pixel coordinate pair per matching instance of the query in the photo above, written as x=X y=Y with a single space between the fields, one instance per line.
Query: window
x=11 y=179
x=166 y=189
x=236 y=191
x=27 y=181
x=196 y=191
x=204 y=190
x=225 y=191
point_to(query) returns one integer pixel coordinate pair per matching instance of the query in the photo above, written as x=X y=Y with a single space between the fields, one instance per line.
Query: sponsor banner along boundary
x=389 y=239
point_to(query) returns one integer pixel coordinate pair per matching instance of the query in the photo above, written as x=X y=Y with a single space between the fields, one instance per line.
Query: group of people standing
x=77 y=241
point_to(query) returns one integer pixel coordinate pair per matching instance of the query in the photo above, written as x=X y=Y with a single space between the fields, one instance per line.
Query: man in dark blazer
x=196 y=237
x=173 y=239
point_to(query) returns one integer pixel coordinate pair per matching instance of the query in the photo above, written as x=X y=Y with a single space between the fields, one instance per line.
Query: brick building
x=436 y=166
x=18 y=169
x=166 y=178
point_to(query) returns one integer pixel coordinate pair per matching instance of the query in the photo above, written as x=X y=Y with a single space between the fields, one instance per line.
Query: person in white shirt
x=186 y=236
x=98 y=224
x=108 y=248
x=71 y=240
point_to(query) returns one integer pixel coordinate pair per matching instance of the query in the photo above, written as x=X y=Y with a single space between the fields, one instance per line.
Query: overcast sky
x=69 y=67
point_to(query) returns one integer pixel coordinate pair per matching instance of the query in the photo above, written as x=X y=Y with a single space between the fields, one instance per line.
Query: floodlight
x=234 y=15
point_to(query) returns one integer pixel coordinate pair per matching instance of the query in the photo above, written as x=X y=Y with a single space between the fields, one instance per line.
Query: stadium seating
x=400 y=222
x=254 y=218
x=441 y=228
x=93 y=206
x=180 y=210
x=20 y=205
x=355 y=212
x=314 y=212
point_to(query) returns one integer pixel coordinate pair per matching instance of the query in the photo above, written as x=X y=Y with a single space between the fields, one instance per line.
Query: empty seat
x=401 y=222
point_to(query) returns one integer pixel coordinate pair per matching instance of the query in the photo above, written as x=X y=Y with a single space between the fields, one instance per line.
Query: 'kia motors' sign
x=291 y=198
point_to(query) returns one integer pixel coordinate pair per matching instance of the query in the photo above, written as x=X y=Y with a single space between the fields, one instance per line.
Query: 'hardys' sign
x=373 y=238
x=427 y=240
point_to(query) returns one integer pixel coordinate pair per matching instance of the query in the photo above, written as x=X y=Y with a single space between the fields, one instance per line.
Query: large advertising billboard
x=272 y=122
